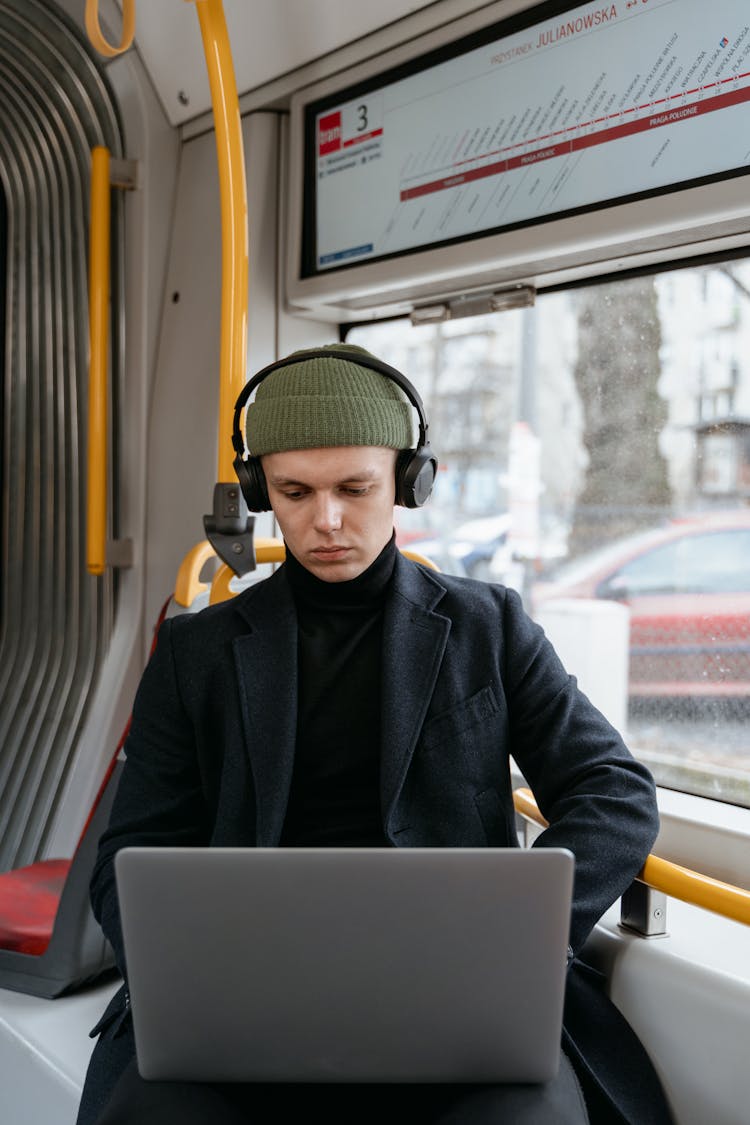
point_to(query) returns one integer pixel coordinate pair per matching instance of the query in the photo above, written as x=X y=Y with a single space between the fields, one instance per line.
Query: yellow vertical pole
x=96 y=506
x=234 y=240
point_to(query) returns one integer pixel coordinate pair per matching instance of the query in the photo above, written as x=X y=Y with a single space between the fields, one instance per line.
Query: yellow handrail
x=415 y=556
x=189 y=585
x=266 y=551
x=274 y=551
x=220 y=587
x=234 y=237
x=691 y=886
x=667 y=877
x=95 y=32
x=96 y=497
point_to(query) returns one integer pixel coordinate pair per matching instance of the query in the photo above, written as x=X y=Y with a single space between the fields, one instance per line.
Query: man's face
x=334 y=506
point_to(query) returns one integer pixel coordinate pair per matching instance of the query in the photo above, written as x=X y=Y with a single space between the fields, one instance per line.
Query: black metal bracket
x=229 y=529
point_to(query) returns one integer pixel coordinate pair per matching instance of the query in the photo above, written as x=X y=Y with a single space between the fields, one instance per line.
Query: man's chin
x=333 y=572
x=335 y=567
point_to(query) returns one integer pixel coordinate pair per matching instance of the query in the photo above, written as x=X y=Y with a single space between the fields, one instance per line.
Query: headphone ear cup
x=415 y=475
x=252 y=483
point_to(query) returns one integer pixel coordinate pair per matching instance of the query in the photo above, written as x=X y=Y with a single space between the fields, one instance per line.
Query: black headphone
x=415 y=468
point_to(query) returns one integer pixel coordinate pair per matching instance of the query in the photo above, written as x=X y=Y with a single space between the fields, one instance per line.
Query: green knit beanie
x=326 y=401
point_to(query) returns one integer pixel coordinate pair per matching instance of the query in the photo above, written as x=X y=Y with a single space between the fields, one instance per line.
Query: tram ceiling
x=269 y=39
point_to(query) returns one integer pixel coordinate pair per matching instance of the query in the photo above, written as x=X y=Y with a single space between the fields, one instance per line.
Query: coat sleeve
x=599 y=800
x=159 y=800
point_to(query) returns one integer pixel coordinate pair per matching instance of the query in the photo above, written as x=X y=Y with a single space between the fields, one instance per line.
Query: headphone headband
x=372 y=362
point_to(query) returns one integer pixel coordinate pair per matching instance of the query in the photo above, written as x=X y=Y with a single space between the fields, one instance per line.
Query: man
x=356 y=698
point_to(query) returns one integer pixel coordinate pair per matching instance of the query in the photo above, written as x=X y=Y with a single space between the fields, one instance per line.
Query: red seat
x=50 y=942
x=29 y=898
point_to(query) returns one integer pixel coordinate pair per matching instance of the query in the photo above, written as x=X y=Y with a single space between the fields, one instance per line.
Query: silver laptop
x=346 y=964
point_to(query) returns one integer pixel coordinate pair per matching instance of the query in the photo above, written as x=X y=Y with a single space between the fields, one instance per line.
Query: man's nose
x=327 y=512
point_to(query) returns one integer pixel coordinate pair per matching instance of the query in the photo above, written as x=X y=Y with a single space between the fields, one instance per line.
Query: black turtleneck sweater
x=335 y=793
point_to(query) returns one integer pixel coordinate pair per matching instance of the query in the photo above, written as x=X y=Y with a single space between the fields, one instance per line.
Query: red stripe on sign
x=597 y=137
x=363 y=137
x=453 y=181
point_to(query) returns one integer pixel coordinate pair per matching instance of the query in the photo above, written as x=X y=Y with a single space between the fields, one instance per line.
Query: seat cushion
x=29 y=897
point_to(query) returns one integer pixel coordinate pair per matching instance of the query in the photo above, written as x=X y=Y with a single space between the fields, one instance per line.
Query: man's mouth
x=329 y=552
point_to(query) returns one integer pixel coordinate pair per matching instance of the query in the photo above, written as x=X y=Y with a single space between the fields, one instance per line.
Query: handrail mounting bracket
x=644 y=910
x=229 y=529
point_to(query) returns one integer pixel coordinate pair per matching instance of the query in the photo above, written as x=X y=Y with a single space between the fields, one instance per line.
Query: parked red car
x=687 y=585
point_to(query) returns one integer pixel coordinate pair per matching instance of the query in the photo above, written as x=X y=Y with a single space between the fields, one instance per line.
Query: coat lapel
x=266 y=663
x=414 y=640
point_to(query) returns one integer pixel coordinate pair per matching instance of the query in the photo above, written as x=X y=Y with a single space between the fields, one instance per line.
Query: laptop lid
x=346 y=964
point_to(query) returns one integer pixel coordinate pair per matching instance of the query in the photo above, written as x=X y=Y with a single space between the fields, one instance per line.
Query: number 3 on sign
x=362 y=119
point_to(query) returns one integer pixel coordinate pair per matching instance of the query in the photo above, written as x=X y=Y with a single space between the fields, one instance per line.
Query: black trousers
x=137 y=1102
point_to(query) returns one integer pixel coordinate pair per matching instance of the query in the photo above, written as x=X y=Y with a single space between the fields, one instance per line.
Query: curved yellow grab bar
x=96 y=485
x=189 y=585
x=234 y=237
x=667 y=877
x=220 y=588
x=266 y=551
x=416 y=557
x=95 y=32
x=271 y=551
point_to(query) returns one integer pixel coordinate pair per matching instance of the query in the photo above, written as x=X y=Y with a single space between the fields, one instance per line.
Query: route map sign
x=599 y=103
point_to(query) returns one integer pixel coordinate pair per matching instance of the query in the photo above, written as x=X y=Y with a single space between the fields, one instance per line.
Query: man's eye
x=356 y=491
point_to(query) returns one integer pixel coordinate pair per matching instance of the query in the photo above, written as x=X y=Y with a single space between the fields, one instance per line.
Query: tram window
x=597 y=446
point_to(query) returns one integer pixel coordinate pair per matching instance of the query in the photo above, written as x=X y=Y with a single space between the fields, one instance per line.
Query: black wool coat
x=468 y=681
